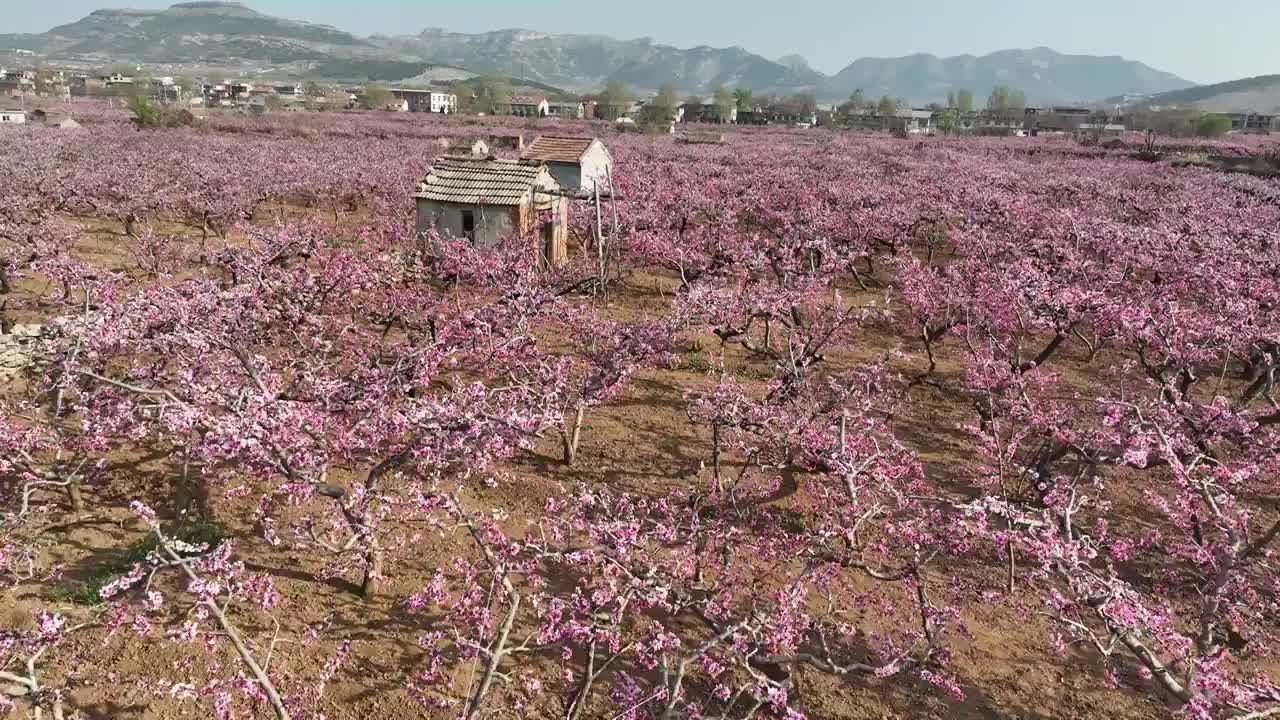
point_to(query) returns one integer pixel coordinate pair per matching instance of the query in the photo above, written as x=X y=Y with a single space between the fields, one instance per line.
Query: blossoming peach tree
x=1107 y=341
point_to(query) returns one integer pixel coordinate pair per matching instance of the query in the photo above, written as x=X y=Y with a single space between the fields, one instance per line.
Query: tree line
x=1004 y=104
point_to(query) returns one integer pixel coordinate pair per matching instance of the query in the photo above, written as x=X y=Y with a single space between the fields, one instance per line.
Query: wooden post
x=600 y=251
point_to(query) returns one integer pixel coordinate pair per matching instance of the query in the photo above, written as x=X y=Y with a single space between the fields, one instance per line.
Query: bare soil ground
x=641 y=442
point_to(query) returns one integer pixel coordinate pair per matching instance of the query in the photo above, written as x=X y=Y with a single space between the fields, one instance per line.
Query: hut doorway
x=469 y=225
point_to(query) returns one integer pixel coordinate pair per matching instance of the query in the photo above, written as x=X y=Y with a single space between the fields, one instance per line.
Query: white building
x=116 y=79
x=573 y=110
x=444 y=102
x=17 y=82
x=530 y=105
x=427 y=100
x=13 y=117
x=916 y=121
x=166 y=88
x=577 y=163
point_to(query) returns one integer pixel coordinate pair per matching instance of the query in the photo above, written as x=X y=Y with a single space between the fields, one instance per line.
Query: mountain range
x=212 y=33
x=1257 y=94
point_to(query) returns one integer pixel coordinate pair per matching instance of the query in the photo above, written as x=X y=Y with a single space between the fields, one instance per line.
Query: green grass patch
x=86 y=590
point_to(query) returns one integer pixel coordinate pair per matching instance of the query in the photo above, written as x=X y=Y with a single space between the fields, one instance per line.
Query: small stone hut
x=487 y=199
x=476 y=147
x=501 y=141
x=577 y=163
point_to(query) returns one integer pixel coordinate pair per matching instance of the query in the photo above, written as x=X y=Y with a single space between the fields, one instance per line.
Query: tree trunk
x=715 y=453
x=584 y=691
x=76 y=497
x=191 y=494
x=570 y=435
x=372 y=572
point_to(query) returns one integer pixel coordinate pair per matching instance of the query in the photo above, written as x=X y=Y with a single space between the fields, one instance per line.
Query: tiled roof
x=478 y=181
x=528 y=99
x=548 y=148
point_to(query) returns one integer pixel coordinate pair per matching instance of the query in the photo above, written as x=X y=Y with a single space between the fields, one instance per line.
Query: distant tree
x=805 y=103
x=657 y=114
x=857 y=101
x=998 y=101
x=886 y=109
x=377 y=97
x=146 y=114
x=45 y=84
x=1175 y=123
x=1006 y=103
x=725 y=104
x=1017 y=104
x=615 y=100
x=855 y=105
x=666 y=101
x=937 y=107
x=742 y=96
x=1213 y=125
x=491 y=95
x=313 y=89
x=964 y=100
x=466 y=96
x=948 y=121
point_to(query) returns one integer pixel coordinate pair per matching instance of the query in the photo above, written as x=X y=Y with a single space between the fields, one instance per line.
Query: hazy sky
x=1202 y=42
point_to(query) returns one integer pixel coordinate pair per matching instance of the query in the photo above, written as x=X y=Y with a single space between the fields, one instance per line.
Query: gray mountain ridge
x=211 y=32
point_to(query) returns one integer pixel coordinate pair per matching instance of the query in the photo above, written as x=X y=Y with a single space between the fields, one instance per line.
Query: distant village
x=28 y=95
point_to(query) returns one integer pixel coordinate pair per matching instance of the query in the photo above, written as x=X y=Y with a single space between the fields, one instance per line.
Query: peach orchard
x=310 y=372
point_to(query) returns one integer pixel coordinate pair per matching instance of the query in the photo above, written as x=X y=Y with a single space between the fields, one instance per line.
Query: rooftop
x=549 y=148
x=478 y=181
x=528 y=99
x=418 y=91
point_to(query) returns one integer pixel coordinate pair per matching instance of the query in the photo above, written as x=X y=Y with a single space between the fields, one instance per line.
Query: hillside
x=211 y=32
x=1259 y=94
x=589 y=61
x=1043 y=74
x=193 y=32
